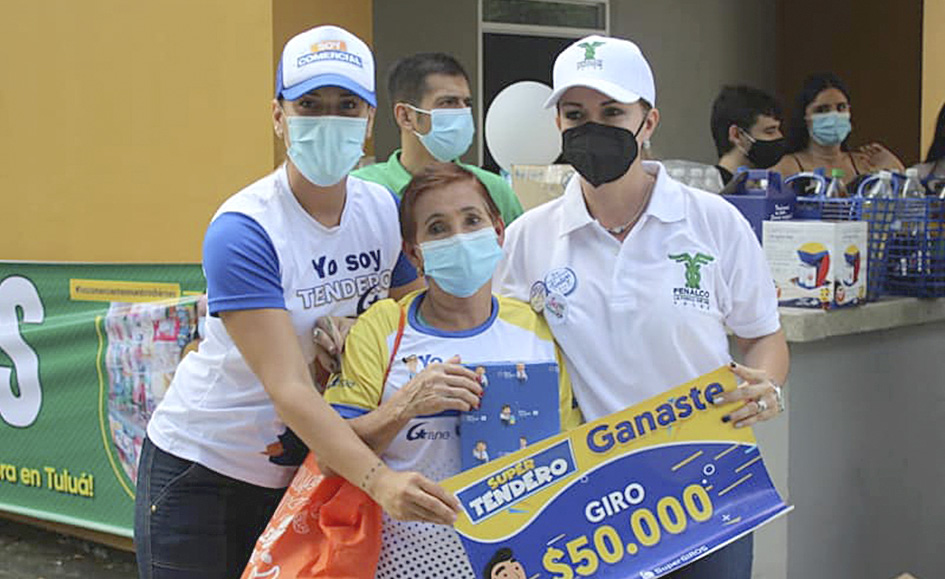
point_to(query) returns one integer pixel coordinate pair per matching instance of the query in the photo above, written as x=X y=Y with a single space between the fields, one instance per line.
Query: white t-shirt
x=639 y=317
x=263 y=250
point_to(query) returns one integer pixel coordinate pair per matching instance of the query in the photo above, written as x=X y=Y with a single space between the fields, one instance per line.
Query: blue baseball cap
x=326 y=56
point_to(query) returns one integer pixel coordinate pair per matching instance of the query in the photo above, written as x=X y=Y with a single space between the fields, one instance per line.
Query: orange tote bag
x=323 y=527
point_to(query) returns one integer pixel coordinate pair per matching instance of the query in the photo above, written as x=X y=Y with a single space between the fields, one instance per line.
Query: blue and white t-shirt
x=263 y=250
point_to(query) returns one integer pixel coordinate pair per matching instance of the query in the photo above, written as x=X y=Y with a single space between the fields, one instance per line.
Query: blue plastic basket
x=915 y=254
x=906 y=241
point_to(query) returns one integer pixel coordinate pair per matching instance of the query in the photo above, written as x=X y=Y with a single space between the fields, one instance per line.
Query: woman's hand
x=409 y=496
x=760 y=394
x=329 y=336
x=439 y=387
x=880 y=157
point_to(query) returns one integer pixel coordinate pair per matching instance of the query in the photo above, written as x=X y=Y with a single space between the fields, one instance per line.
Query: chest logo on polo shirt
x=692 y=294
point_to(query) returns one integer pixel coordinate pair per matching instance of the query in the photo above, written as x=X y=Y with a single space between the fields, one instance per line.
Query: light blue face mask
x=460 y=265
x=325 y=149
x=451 y=132
x=829 y=129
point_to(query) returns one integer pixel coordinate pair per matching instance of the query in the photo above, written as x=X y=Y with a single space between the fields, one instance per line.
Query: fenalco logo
x=329 y=50
x=692 y=294
x=693 y=267
x=590 y=55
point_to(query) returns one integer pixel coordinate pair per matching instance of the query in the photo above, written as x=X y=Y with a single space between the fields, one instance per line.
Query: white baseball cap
x=326 y=56
x=613 y=66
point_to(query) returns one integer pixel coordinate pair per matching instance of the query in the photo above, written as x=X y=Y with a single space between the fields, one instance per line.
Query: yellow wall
x=123 y=125
x=933 y=68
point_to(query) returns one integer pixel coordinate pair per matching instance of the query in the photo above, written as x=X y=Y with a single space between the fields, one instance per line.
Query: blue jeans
x=732 y=562
x=192 y=522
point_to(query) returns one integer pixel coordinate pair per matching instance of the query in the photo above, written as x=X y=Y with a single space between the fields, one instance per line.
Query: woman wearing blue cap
x=303 y=243
x=638 y=275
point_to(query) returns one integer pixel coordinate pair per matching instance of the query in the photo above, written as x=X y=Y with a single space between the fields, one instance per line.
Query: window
x=554 y=13
x=519 y=40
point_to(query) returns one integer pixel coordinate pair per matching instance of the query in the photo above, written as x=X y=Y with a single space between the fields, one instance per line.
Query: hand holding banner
x=641 y=492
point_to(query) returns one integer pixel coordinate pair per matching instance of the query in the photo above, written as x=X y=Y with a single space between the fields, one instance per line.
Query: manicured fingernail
x=483 y=393
x=726 y=418
x=739 y=425
x=717 y=400
x=732 y=364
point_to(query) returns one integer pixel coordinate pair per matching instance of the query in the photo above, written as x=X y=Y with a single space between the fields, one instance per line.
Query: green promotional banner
x=86 y=353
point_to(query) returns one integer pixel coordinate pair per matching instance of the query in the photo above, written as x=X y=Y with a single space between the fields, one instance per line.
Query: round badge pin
x=562 y=280
x=556 y=308
x=536 y=297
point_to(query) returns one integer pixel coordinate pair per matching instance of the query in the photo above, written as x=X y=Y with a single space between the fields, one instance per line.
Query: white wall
x=405 y=28
x=695 y=47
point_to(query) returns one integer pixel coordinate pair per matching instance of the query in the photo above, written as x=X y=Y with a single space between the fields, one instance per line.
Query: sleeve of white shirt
x=753 y=299
x=509 y=278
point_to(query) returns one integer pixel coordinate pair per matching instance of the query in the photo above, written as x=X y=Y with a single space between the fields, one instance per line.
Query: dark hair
x=741 y=106
x=501 y=556
x=798 y=135
x=937 y=148
x=435 y=176
x=407 y=79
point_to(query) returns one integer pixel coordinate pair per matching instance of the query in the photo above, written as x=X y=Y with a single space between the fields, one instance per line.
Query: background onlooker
x=933 y=169
x=746 y=128
x=819 y=129
x=432 y=106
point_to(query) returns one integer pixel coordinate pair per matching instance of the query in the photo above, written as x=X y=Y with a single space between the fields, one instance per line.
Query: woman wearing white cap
x=637 y=274
x=302 y=243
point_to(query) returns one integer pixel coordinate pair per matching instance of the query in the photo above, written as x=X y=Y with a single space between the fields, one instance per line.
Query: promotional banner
x=86 y=353
x=639 y=493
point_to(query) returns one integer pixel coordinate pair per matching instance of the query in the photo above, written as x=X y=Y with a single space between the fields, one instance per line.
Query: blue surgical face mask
x=463 y=263
x=831 y=128
x=451 y=132
x=325 y=149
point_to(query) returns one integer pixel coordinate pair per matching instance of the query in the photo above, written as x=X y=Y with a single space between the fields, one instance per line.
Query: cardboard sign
x=639 y=493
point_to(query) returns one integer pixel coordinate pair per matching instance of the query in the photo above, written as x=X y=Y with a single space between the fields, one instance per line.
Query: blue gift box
x=758 y=194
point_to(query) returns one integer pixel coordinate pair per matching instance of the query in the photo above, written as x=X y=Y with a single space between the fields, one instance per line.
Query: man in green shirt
x=433 y=108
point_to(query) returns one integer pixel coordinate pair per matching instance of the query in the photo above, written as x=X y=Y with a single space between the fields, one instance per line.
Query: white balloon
x=519 y=129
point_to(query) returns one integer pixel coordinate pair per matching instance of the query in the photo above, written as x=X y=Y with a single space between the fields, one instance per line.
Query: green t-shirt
x=392 y=175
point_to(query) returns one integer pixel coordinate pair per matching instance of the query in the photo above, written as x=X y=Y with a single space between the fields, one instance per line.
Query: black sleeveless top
x=856 y=170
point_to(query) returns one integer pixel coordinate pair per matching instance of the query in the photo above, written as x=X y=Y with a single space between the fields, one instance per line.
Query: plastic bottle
x=912 y=188
x=915 y=221
x=836 y=186
x=881 y=188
